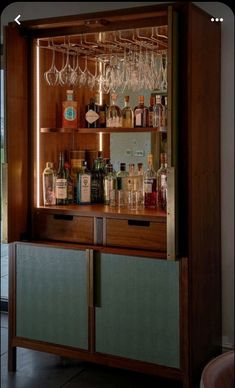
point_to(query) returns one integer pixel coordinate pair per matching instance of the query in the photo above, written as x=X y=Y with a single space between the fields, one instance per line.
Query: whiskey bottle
x=84 y=185
x=114 y=114
x=69 y=110
x=150 y=185
x=61 y=182
x=92 y=114
x=152 y=113
x=127 y=114
x=162 y=183
x=140 y=114
x=48 y=178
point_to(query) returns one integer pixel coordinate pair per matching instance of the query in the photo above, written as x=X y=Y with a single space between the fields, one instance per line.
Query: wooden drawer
x=63 y=227
x=136 y=234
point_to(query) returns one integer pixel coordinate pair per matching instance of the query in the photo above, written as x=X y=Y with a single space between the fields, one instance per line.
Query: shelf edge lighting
x=38 y=120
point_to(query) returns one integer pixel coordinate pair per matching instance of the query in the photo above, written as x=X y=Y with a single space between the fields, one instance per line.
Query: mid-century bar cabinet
x=139 y=290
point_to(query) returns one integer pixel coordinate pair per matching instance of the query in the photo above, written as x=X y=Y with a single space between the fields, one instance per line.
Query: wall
x=37 y=10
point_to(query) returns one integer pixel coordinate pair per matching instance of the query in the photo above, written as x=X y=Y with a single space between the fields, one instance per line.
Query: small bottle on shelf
x=84 y=185
x=121 y=175
x=61 y=182
x=162 y=182
x=110 y=183
x=69 y=111
x=114 y=114
x=92 y=114
x=127 y=114
x=48 y=178
x=163 y=123
x=140 y=114
x=152 y=113
x=150 y=185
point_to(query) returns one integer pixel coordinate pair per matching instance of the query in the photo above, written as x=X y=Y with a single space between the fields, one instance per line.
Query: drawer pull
x=138 y=223
x=64 y=217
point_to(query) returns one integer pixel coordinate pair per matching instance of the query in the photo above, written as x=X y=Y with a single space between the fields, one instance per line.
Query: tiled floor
x=42 y=370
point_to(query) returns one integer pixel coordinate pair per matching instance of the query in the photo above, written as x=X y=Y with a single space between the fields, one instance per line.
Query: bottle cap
x=123 y=166
x=69 y=91
x=141 y=99
x=163 y=157
x=158 y=99
x=127 y=98
x=49 y=165
x=114 y=96
x=152 y=100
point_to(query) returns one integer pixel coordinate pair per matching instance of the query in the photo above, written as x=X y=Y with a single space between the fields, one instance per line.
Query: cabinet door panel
x=51 y=295
x=138 y=313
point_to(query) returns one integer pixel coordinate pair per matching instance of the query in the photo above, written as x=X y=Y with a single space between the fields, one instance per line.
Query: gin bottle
x=84 y=185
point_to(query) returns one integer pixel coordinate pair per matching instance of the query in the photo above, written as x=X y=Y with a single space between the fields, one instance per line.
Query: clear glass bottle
x=69 y=111
x=159 y=109
x=121 y=175
x=162 y=182
x=140 y=114
x=150 y=185
x=84 y=185
x=48 y=178
x=61 y=182
x=92 y=114
x=114 y=114
x=110 y=183
x=127 y=114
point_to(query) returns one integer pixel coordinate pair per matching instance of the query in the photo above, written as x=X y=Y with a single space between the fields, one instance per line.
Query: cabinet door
x=137 y=308
x=51 y=295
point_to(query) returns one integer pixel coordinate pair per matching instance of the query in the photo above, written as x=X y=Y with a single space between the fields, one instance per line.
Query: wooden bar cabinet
x=132 y=289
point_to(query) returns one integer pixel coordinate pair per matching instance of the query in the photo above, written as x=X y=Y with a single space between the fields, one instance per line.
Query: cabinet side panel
x=51 y=295
x=16 y=89
x=137 y=315
x=204 y=187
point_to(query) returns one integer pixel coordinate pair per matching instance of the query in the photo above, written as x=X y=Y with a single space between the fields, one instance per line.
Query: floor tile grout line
x=72 y=378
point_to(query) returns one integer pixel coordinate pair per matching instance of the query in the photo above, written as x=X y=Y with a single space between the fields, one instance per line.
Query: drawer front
x=136 y=234
x=60 y=227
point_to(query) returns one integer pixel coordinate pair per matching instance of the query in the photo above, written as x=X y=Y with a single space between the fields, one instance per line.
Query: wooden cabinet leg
x=11 y=359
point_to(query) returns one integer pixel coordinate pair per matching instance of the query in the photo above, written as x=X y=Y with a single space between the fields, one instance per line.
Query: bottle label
x=61 y=188
x=138 y=116
x=148 y=185
x=70 y=113
x=85 y=188
x=91 y=116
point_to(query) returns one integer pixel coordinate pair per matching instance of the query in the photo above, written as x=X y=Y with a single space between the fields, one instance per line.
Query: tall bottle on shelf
x=48 y=178
x=97 y=176
x=61 y=182
x=152 y=113
x=84 y=185
x=114 y=114
x=69 y=111
x=140 y=114
x=110 y=182
x=162 y=182
x=70 y=183
x=150 y=185
x=163 y=123
x=158 y=109
x=121 y=175
x=127 y=114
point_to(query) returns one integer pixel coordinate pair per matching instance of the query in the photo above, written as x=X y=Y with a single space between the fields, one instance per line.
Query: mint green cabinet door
x=51 y=295
x=137 y=313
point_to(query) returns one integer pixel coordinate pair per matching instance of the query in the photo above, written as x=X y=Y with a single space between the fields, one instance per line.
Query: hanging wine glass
x=52 y=75
x=66 y=72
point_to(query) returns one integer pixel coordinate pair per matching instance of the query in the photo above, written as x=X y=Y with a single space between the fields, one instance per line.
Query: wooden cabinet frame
x=195 y=236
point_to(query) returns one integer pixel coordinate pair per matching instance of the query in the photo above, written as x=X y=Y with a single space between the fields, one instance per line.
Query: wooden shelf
x=100 y=210
x=96 y=130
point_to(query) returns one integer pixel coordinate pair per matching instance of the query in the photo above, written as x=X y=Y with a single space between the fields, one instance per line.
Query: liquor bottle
x=114 y=114
x=140 y=170
x=150 y=185
x=48 y=177
x=69 y=111
x=61 y=182
x=140 y=114
x=131 y=177
x=110 y=181
x=152 y=113
x=162 y=182
x=70 y=183
x=92 y=114
x=97 y=176
x=84 y=185
x=127 y=114
x=121 y=175
x=159 y=109
x=163 y=123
